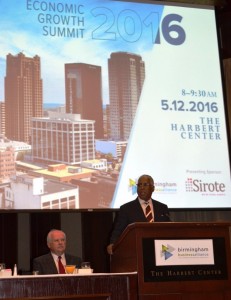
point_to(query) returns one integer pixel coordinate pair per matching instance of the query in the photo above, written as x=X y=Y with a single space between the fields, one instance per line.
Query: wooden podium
x=206 y=276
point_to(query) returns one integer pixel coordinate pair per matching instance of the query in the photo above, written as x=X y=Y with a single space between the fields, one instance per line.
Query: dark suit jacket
x=45 y=264
x=132 y=212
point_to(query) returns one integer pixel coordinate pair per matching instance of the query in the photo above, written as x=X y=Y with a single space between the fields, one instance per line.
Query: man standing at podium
x=142 y=209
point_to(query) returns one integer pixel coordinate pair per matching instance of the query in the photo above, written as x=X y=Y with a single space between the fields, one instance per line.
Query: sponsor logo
x=199 y=186
x=184 y=252
x=160 y=187
x=132 y=186
x=166 y=251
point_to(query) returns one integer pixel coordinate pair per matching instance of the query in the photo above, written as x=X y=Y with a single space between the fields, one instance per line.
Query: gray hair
x=49 y=238
x=150 y=179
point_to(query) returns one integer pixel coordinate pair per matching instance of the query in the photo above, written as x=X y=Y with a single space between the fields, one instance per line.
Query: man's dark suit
x=132 y=212
x=45 y=264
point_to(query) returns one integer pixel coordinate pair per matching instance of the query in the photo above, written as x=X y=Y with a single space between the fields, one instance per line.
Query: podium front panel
x=135 y=251
x=179 y=261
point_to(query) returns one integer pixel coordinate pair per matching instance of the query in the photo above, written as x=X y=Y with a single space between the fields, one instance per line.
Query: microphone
x=165 y=216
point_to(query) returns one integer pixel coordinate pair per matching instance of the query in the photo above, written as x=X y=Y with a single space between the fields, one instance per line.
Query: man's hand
x=110 y=249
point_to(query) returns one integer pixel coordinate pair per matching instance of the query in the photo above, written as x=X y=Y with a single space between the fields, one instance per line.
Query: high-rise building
x=126 y=77
x=106 y=121
x=83 y=87
x=23 y=95
x=62 y=138
x=7 y=162
x=2 y=119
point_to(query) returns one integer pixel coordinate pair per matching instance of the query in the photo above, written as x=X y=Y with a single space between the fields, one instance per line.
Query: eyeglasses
x=144 y=184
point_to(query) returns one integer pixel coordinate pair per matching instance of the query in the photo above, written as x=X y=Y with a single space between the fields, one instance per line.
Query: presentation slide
x=99 y=92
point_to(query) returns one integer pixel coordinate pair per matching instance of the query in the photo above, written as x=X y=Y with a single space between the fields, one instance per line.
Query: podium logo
x=166 y=251
x=197 y=185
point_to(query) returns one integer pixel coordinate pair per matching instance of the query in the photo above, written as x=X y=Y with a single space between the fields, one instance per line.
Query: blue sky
x=116 y=26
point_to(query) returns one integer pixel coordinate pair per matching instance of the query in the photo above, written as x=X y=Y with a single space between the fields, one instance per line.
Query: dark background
x=223 y=13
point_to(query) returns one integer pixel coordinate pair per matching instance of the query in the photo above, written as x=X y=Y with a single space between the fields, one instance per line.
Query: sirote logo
x=196 y=185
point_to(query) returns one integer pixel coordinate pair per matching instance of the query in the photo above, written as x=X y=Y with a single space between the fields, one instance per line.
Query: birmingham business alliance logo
x=160 y=187
x=166 y=251
x=199 y=186
x=132 y=186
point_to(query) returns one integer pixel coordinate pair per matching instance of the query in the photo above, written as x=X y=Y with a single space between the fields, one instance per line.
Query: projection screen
x=112 y=90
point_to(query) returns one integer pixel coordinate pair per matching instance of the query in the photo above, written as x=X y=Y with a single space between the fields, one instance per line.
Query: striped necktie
x=148 y=213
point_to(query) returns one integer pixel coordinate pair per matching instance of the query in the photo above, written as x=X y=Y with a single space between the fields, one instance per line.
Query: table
x=105 y=286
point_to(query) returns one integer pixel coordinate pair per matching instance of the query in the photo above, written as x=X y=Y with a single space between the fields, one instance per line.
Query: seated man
x=54 y=262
